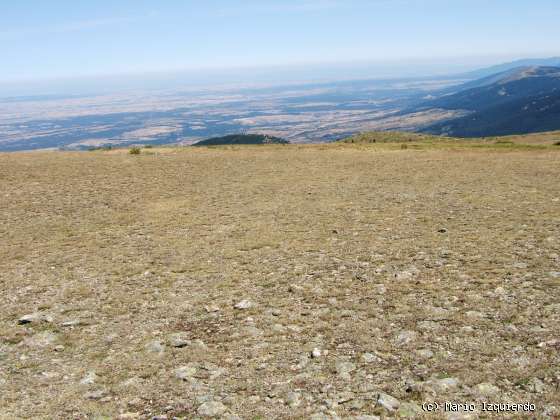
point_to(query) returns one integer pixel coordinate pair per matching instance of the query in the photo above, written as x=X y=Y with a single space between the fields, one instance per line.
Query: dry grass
x=339 y=247
x=536 y=140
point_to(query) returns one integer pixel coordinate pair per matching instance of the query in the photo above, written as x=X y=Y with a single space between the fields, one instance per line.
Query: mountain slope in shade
x=500 y=88
x=525 y=100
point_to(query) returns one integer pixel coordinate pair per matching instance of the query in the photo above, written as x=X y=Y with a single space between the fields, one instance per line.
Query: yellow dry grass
x=350 y=249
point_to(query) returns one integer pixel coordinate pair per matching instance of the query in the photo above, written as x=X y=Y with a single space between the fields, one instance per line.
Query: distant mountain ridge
x=501 y=68
x=517 y=101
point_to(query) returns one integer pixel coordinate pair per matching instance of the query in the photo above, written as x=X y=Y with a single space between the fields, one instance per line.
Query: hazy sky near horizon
x=68 y=38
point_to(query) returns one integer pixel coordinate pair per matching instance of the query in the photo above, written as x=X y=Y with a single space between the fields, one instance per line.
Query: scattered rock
x=474 y=315
x=294 y=288
x=403 y=275
x=293 y=399
x=409 y=410
x=71 y=323
x=155 y=347
x=253 y=331
x=303 y=362
x=254 y=399
x=357 y=404
x=344 y=368
x=439 y=313
x=178 y=340
x=129 y=416
x=550 y=411
x=425 y=353
x=316 y=353
x=380 y=289
x=460 y=416
x=217 y=372
x=322 y=416
x=231 y=417
x=89 y=379
x=521 y=361
x=487 y=390
x=35 y=317
x=211 y=409
x=135 y=402
x=500 y=291
x=428 y=325
x=50 y=375
x=41 y=339
x=185 y=372
x=440 y=386
x=244 y=304
x=550 y=343
x=279 y=328
x=388 y=402
x=370 y=358
x=346 y=313
x=131 y=382
x=445 y=253
x=536 y=386
x=198 y=345
x=295 y=328
x=553 y=308
x=95 y=395
x=405 y=337
x=344 y=397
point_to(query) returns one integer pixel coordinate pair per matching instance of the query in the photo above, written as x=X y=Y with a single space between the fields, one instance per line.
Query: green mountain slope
x=241 y=139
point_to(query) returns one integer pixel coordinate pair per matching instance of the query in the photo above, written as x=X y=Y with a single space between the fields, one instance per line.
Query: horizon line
x=301 y=65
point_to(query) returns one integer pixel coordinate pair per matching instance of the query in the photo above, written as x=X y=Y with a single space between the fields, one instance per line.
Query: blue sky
x=69 y=38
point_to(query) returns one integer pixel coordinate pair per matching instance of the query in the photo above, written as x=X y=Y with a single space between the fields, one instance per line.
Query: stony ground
x=279 y=282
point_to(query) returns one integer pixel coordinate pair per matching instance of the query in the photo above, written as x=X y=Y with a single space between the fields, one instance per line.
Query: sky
x=59 y=39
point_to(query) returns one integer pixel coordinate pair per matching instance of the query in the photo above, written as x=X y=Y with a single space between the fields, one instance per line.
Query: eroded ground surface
x=278 y=282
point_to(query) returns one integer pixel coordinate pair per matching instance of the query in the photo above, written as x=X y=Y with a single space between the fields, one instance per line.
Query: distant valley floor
x=300 y=113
